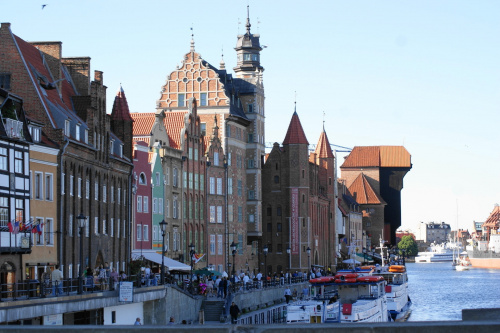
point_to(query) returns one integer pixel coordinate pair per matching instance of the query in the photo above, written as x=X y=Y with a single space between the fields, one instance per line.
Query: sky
x=422 y=74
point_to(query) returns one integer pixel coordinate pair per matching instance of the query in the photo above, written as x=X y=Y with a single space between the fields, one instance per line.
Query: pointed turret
x=295 y=133
x=122 y=122
x=323 y=148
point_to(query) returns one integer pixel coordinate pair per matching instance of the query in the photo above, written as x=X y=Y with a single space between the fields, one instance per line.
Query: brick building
x=299 y=204
x=94 y=165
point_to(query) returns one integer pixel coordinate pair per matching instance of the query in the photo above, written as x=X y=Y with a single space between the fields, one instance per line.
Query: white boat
x=463 y=264
x=398 y=299
x=347 y=298
x=436 y=253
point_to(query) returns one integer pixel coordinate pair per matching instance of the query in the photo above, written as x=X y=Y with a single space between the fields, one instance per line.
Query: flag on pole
x=11 y=227
x=197 y=257
x=16 y=228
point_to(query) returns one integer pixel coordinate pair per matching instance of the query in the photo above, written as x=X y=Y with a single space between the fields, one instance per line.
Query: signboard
x=56 y=319
x=294 y=220
x=126 y=291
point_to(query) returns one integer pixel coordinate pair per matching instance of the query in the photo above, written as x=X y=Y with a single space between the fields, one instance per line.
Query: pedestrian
x=224 y=283
x=234 y=311
x=220 y=290
x=57 y=277
x=102 y=277
x=147 y=273
x=288 y=294
x=138 y=321
x=171 y=321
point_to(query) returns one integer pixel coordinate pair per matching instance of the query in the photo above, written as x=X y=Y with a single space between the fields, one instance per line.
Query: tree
x=408 y=243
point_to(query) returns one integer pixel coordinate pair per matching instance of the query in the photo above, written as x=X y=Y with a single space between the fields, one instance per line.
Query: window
x=139 y=204
x=251 y=218
x=250 y=108
x=4 y=211
x=66 y=128
x=219 y=186
x=247 y=56
x=230 y=186
x=142 y=179
x=175 y=180
x=212 y=214
x=279 y=227
x=5 y=81
x=219 y=214
x=104 y=193
x=219 y=244
x=212 y=244
x=77 y=132
x=180 y=98
x=269 y=211
x=230 y=213
x=216 y=158
x=203 y=128
x=212 y=185
x=96 y=225
x=203 y=99
x=38 y=185
x=196 y=154
x=167 y=176
x=278 y=211
x=35 y=133
x=87 y=189
x=145 y=208
x=124 y=230
x=79 y=189
x=202 y=182
x=174 y=208
x=112 y=228
x=104 y=227
x=160 y=206
x=228 y=158
x=167 y=208
x=196 y=181
x=190 y=153
x=240 y=188
x=19 y=210
x=146 y=232
x=157 y=177
x=112 y=194
x=155 y=205
x=139 y=232
x=48 y=231
x=250 y=137
x=240 y=214
x=250 y=164
x=86 y=137
x=18 y=162
x=276 y=179
x=190 y=180
x=251 y=195
x=96 y=190
x=39 y=237
x=49 y=195
x=71 y=178
x=118 y=228
x=3 y=159
x=184 y=179
x=228 y=131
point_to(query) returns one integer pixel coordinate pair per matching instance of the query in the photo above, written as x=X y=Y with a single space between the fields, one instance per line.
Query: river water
x=438 y=292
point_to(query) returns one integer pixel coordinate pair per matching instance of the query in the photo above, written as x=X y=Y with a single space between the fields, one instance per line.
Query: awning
x=156 y=257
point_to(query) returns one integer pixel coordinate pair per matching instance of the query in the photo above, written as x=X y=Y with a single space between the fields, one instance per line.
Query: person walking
x=218 y=285
x=288 y=294
x=234 y=311
x=137 y=321
x=224 y=283
x=57 y=277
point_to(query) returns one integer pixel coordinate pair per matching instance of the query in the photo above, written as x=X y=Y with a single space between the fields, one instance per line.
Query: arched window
x=142 y=179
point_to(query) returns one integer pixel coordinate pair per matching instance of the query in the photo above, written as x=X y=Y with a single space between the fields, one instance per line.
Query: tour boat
x=398 y=300
x=435 y=253
x=349 y=298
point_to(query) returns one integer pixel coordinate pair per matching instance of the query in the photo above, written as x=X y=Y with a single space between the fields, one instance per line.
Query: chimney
x=52 y=52
x=98 y=76
x=5 y=25
x=79 y=69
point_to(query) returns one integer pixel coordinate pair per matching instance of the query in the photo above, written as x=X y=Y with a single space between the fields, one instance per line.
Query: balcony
x=14 y=128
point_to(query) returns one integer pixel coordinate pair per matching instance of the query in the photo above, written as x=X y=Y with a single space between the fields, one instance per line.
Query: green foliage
x=408 y=243
x=135 y=266
x=9 y=111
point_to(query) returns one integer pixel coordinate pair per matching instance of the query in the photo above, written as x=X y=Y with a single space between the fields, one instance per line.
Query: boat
x=463 y=263
x=398 y=299
x=484 y=254
x=348 y=298
x=436 y=253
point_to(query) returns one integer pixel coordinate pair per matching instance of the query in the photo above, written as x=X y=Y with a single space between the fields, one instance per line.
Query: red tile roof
x=493 y=220
x=120 y=107
x=378 y=156
x=363 y=192
x=174 y=123
x=323 y=149
x=295 y=133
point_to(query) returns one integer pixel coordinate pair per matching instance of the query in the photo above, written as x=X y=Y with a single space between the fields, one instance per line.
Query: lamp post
x=163 y=228
x=191 y=254
x=289 y=251
x=81 y=224
x=233 y=251
x=308 y=250
x=265 y=249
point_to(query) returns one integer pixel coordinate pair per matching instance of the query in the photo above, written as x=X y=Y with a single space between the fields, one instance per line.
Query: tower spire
x=248 y=20
x=192 y=40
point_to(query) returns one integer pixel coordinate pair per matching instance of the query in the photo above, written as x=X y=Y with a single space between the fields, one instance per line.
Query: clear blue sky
x=423 y=74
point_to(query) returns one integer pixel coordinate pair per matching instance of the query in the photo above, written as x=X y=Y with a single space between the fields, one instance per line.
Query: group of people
x=102 y=276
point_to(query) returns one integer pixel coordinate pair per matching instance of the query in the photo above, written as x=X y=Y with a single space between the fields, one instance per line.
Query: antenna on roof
x=295 y=108
x=192 y=38
x=323 y=121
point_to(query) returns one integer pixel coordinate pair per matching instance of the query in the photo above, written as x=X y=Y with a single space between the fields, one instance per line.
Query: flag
x=16 y=228
x=11 y=227
x=197 y=257
x=38 y=229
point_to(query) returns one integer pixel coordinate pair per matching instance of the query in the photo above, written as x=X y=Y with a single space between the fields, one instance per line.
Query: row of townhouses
x=75 y=174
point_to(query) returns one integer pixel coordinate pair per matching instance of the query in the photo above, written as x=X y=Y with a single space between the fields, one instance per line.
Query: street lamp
x=265 y=249
x=288 y=251
x=308 y=250
x=233 y=251
x=191 y=254
x=81 y=224
x=163 y=228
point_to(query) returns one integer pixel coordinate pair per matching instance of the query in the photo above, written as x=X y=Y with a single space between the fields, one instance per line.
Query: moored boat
x=484 y=254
